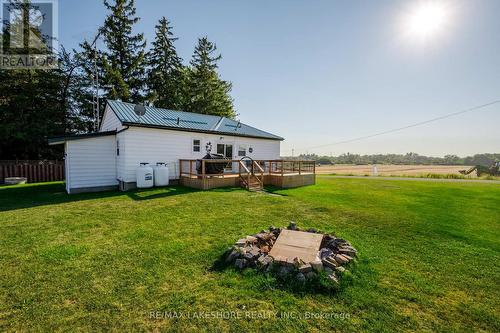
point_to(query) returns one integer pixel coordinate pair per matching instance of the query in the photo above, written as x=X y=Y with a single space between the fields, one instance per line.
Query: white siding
x=157 y=145
x=91 y=162
x=120 y=159
x=110 y=121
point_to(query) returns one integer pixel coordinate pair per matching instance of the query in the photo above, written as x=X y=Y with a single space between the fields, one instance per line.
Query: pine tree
x=206 y=93
x=165 y=69
x=123 y=62
x=76 y=93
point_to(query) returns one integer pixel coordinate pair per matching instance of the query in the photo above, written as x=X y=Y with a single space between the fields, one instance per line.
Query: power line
x=406 y=127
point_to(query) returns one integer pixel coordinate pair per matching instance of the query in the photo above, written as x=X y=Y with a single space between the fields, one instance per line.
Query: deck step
x=252 y=183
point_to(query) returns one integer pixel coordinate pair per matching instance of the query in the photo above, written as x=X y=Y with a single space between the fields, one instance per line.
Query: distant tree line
x=35 y=104
x=409 y=158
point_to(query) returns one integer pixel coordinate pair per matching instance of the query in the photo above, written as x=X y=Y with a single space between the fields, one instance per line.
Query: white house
x=109 y=158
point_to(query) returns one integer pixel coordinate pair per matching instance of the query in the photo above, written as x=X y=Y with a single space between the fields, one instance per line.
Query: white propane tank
x=161 y=174
x=144 y=176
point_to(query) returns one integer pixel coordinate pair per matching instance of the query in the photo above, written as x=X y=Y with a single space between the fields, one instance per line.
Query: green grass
x=429 y=258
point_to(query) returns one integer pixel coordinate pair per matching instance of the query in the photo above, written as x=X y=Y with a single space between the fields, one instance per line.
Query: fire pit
x=303 y=254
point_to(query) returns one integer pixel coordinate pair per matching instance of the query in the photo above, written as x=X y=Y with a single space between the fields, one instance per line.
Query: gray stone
x=328 y=238
x=251 y=239
x=340 y=269
x=292 y=226
x=332 y=245
x=241 y=242
x=255 y=252
x=348 y=247
x=246 y=249
x=311 y=275
x=332 y=277
x=264 y=249
x=324 y=252
x=329 y=262
x=232 y=256
x=312 y=230
x=264 y=236
x=348 y=257
x=317 y=265
x=341 y=259
x=288 y=263
x=264 y=260
x=269 y=267
x=347 y=252
x=300 y=277
x=305 y=268
x=340 y=242
x=240 y=263
x=284 y=271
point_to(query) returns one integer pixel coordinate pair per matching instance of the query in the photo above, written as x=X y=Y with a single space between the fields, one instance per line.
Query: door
x=227 y=151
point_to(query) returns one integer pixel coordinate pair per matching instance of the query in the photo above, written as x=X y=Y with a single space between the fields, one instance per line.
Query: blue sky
x=320 y=72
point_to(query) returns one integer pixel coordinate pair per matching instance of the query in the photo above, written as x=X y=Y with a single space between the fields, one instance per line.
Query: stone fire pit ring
x=292 y=252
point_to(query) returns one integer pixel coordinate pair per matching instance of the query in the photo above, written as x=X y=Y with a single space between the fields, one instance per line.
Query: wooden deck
x=251 y=174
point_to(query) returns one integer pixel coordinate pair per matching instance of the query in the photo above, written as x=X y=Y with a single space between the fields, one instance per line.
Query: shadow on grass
x=271 y=280
x=274 y=190
x=150 y=194
x=42 y=194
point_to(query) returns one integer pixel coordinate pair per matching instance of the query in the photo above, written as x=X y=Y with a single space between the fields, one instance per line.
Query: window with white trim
x=242 y=150
x=196 y=145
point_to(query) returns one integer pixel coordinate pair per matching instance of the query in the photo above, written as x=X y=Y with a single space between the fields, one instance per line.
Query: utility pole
x=95 y=83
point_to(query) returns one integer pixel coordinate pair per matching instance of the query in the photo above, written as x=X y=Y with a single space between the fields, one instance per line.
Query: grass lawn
x=429 y=258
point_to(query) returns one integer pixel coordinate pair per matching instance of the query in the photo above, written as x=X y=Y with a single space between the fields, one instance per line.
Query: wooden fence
x=34 y=171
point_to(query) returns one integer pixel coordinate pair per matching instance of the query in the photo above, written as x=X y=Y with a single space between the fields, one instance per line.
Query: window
x=117 y=147
x=220 y=148
x=196 y=145
x=242 y=151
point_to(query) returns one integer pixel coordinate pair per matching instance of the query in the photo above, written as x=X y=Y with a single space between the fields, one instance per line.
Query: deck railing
x=188 y=167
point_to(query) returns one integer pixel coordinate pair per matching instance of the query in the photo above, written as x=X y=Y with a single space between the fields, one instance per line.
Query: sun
x=427 y=19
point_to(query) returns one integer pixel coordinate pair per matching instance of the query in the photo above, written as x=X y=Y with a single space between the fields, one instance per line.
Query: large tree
x=123 y=61
x=165 y=70
x=77 y=92
x=205 y=91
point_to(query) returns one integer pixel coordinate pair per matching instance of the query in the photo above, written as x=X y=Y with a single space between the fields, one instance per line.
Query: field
x=394 y=170
x=429 y=258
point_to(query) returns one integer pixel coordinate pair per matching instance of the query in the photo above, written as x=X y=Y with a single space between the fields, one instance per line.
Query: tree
x=76 y=93
x=165 y=70
x=123 y=61
x=205 y=92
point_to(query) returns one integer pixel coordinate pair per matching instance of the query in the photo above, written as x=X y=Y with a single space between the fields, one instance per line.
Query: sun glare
x=427 y=19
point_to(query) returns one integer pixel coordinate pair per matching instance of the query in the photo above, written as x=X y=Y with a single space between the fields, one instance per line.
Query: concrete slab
x=296 y=244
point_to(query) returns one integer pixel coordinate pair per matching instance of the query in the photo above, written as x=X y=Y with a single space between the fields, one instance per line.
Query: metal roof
x=185 y=121
x=57 y=140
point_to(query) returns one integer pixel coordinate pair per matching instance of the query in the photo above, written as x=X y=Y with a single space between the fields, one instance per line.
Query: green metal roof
x=185 y=121
x=56 y=140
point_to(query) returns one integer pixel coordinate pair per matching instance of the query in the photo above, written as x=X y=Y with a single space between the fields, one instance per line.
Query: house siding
x=91 y=163
x=151 y=145
x=110 y=121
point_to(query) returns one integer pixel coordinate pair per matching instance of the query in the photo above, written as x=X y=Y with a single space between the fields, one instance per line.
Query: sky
x=319 y=72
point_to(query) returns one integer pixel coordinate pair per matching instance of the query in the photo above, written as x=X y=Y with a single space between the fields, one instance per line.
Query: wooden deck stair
x=252 y=177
